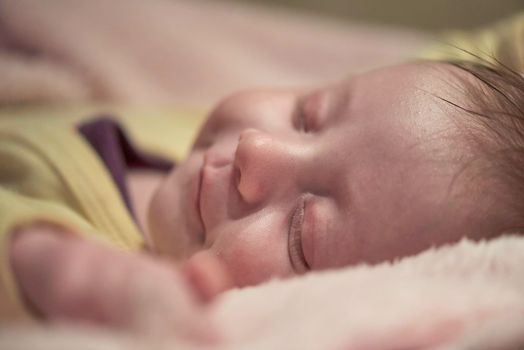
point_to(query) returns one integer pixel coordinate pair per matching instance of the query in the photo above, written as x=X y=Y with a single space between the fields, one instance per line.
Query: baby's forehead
x=429 y=75
x=417 y=85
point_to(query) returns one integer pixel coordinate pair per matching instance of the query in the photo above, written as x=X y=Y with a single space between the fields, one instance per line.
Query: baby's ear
x=207 y=275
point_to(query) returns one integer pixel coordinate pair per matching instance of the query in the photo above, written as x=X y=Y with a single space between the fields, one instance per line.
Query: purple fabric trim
x=117 y=152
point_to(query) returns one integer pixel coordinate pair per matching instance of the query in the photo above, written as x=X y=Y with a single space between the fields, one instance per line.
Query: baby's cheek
x=251 y=261
x=204 y=138
x=245 y=268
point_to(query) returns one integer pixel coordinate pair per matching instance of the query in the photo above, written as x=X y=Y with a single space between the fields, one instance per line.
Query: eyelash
x=296 y=253
x=301 y=120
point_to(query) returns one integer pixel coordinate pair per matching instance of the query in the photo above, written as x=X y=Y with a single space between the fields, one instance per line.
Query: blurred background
x=428 y=15
x=194 y=52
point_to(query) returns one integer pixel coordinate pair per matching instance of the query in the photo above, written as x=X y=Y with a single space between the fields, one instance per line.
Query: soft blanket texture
x=463 y=296
x=161 y=51
x=463 y=293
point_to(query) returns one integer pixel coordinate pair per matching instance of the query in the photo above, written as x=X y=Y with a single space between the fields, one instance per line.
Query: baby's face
x=284 y=181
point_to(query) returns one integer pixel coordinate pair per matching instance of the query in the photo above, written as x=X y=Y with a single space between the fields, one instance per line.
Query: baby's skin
x=281 y=182
x=284 y=181
x=66 y=278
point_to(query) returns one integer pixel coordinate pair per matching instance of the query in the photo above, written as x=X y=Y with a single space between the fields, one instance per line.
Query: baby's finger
x=207 y=275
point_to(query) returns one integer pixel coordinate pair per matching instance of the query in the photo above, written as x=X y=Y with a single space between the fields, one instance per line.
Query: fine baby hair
x=494 y=124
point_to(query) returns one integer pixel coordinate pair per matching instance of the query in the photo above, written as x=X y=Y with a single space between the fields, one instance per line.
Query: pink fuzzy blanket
x=174 y=51
x=463 y=296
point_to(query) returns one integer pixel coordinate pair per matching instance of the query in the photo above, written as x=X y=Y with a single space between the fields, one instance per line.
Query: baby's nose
x=264 y=164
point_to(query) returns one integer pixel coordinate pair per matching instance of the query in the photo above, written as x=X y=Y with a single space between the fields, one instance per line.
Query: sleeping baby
x=279 y=182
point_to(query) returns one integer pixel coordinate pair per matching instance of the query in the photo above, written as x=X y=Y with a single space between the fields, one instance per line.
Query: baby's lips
x=207 y=275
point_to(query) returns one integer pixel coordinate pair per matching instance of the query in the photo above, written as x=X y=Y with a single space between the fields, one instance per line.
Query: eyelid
x=296 y=252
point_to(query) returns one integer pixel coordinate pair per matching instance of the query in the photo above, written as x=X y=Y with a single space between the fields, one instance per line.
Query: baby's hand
x=65 y=277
